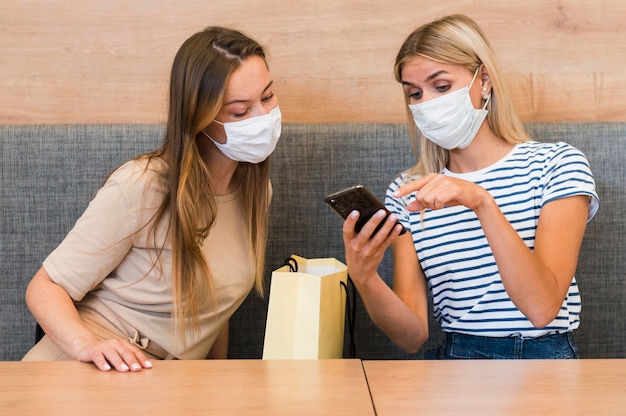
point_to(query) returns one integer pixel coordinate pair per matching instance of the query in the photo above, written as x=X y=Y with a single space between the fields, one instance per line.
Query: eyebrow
x=245 y=101
x=428 y=78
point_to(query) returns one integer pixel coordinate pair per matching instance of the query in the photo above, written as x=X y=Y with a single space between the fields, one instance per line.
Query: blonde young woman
x=174 y=241
x=496 y=219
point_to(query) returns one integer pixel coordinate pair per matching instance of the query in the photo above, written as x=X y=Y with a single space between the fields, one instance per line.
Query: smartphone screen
x=357 y=198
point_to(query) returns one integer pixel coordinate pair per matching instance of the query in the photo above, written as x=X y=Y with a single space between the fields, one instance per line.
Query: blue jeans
x=461 y=346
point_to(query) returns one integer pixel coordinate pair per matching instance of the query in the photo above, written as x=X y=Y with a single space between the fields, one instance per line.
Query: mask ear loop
x=486 y=95
x=207 y=134
x=473 y=78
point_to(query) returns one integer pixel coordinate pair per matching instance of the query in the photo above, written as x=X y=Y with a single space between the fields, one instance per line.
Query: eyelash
x=264 y=99
x=418 y=95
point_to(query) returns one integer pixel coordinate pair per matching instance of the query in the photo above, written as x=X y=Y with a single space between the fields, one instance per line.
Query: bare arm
x=402 y=313
x=219 y=350
x=53 y=308
x=536 y=281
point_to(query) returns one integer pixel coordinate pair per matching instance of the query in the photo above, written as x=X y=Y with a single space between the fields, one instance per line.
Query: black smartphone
x=357 y=198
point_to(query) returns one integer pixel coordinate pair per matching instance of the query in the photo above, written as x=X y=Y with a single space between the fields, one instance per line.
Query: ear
x=485 y=81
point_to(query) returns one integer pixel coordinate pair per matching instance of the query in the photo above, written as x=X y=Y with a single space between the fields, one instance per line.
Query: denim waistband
x=550 y=346
x=510 y=338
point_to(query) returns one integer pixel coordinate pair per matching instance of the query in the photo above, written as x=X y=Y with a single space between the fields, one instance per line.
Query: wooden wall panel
x=90 y=61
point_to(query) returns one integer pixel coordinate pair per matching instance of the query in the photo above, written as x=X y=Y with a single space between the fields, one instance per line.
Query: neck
x=221 y=168
x=485 y=150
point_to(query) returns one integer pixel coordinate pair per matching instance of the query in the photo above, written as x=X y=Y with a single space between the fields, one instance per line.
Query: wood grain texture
x=201 y=387
x=497 y=387
x=87 y=61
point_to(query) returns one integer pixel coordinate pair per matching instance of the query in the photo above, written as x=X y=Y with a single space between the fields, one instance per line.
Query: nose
x=262 y=109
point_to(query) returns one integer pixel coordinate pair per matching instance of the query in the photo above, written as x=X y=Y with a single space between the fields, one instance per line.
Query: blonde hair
x=457 y=39
x=199 y=75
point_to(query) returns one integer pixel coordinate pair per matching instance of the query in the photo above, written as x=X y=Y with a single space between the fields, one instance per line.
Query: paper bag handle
x=351 y=309
x=292 y=263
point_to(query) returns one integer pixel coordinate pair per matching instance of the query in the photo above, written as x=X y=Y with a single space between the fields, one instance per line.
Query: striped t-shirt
x=468 y=294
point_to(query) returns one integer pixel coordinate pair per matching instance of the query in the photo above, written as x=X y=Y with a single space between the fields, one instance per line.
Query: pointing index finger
x=410 y=187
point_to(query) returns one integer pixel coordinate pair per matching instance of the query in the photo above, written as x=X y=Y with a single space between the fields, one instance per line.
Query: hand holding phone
x=357 y=198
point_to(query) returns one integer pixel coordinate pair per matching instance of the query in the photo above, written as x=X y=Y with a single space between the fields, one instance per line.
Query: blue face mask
x=450 y=121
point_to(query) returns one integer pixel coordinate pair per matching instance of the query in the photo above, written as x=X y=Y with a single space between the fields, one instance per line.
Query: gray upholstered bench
x=49 y=173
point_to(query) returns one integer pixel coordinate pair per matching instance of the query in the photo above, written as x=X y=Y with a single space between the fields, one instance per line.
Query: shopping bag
x=306 y=310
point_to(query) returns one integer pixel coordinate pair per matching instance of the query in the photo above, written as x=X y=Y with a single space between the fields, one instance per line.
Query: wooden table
x=222 y=387
x=502 y=387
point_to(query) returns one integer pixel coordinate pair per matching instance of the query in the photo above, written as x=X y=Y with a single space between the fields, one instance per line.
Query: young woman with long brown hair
x=174 y=241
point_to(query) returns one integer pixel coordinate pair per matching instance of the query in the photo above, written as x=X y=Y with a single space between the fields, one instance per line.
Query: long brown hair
x=199 y=75
x=457 y=39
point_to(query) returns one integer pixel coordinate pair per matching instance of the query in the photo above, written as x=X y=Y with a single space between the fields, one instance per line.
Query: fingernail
x=124 y=367
x=136 y=367
x=147 y=364
x=106 y=367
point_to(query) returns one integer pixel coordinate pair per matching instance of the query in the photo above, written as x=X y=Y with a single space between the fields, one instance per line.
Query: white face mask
x=450 y=121
x=251 y=140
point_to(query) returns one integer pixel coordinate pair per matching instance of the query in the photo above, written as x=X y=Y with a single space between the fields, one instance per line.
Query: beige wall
x=95 y=61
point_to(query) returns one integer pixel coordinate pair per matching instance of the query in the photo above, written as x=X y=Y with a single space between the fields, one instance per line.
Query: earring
x=485 y=95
